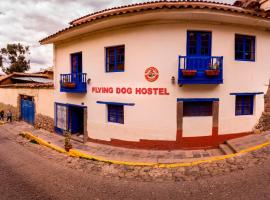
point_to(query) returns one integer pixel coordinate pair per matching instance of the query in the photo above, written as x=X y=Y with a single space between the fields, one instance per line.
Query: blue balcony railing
x=73 y=83
x=200 y=70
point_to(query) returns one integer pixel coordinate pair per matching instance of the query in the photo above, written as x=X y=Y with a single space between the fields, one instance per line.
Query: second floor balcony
x=200 y=70
x=73 y=83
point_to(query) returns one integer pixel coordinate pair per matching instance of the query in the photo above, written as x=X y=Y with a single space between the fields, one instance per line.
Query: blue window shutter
x=115 y=113
x=114 y=58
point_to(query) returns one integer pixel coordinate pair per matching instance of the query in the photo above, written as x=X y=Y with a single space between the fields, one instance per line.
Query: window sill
x=244 y=115
x=243 y=60
x=115 y=71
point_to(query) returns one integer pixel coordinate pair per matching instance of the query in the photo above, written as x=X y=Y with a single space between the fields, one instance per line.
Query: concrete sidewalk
x=134 y=155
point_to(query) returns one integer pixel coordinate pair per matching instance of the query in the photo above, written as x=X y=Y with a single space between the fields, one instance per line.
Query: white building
x=163 y=75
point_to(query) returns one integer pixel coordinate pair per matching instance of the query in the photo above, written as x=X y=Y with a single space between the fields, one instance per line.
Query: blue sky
x=28 y=21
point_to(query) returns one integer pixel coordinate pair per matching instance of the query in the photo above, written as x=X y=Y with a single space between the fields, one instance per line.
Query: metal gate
x=28 y=111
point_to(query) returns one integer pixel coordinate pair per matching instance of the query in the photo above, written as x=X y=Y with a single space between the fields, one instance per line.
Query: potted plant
x=69 y=85
x=213 y=71
x=67 y=144
x=189 y=72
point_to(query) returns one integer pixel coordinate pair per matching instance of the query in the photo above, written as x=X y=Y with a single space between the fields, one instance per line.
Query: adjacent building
x=163 y=75
x=29 y=96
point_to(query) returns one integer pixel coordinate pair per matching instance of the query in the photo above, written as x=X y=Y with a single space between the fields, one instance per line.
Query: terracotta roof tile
x=29 y=85
x=19 y=74
x=155 y=5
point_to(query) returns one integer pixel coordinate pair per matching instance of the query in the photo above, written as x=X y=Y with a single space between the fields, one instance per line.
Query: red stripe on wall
x=203 y=142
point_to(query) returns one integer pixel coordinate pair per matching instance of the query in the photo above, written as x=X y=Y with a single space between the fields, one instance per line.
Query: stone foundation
x=44 y=122
x=15 y=111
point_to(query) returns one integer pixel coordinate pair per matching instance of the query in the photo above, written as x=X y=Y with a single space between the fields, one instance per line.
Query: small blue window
x=244 y=105
x=244 y=48
x=115 y=59
x=116 y=113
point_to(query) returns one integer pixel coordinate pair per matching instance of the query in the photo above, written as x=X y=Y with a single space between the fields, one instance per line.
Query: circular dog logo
x=151 y=74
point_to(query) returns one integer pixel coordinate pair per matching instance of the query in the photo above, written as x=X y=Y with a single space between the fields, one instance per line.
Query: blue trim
x=115 y=113
x=243 y=38
x=241 y=109
x=116 y=103
x=198 y=63
x=198 y=57
x=245 y=93
x=78 y=79
x=75 y=105
x=78 y=57
x=198 y=35
x=116 y=54
x=59 y=130
x=197 y=99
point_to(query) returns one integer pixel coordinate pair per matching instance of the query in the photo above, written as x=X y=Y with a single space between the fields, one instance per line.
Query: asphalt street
x=24 y=174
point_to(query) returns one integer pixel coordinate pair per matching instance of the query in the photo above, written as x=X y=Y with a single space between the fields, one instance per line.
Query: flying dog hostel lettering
x=129 y=90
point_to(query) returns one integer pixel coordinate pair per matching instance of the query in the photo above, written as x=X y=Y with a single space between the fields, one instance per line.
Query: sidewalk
x=133 y=155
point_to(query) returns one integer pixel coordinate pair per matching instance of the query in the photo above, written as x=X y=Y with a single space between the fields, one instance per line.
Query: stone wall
x=44 y=122
x=15 y=110
x=264 y=121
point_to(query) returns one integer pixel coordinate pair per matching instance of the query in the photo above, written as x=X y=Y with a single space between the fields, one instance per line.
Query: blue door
x=27 y=111
x=198 y=50
x=76 y=67
x=76 y=121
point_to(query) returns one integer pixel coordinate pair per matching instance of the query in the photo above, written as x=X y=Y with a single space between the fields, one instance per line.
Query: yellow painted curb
x=79 y=154
x=30 y=136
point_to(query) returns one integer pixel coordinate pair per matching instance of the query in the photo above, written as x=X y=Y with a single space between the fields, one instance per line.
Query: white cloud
x=29 y=21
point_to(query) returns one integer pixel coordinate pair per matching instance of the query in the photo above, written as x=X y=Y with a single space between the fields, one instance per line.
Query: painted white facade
x=158 y=43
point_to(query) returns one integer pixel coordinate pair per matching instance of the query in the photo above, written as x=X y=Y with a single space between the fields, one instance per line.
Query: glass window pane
x=244 y=47
x=116 y=113
x=198 y=108
x=115 y=58
x=244 y=105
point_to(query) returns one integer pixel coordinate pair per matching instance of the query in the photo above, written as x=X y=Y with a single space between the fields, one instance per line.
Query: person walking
x=2 y=115
x=9 y=116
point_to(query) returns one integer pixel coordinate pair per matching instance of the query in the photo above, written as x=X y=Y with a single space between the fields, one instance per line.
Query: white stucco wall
x=159 y=45
x=44 y=99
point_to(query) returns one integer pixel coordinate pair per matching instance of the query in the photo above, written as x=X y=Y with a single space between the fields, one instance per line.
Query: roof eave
x=122 y=11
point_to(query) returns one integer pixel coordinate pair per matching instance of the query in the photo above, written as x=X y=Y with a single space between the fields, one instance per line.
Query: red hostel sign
x=151 y=74
x=129 y=90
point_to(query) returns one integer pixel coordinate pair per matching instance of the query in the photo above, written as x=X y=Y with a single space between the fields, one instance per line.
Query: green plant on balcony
x=213 y=69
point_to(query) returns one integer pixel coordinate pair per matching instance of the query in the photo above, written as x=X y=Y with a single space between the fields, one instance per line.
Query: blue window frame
x=115 y=59
x=197 y=108
x=244 y=47
x=244 y=105
x=199 y=49
x=199 y=43
x=115 y=113
x=76 y=62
